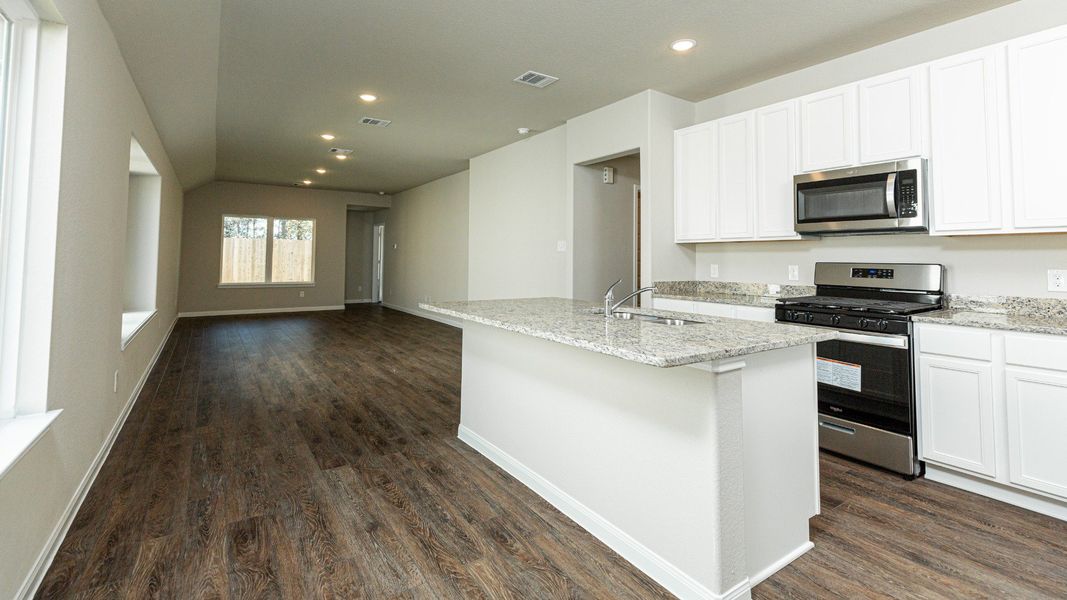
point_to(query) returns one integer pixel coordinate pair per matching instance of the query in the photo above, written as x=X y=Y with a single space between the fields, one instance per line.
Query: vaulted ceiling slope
x=241 y=89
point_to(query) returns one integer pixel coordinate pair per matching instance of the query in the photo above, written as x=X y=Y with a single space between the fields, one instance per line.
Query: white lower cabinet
x=993 y=404
x=715 y=309
x=958 y=414
x=1037 y=429
x=672 y=304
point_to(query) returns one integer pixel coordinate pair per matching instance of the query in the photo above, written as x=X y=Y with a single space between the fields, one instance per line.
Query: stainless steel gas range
x=866 y=384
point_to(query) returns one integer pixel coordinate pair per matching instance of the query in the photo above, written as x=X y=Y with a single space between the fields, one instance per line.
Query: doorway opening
x=607 y=227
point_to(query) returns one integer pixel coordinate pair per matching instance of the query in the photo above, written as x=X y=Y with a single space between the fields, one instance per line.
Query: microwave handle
x=891 y=195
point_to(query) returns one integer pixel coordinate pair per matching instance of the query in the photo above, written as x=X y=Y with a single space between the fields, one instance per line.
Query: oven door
x=867 y=379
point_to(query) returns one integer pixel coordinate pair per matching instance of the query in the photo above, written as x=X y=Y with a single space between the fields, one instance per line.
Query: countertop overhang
x=574 y=323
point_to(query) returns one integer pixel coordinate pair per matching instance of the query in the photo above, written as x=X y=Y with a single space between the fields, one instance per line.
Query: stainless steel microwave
x=883 y=198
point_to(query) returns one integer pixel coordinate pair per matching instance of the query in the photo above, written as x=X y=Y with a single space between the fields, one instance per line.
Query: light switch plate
x=794 y=272
x=1057 y=280
x=713 y=270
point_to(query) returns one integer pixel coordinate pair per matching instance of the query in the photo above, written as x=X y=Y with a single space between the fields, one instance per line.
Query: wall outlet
x=794 y=272
x=561 y=246
x=1057 y=280
x=115 y=382
x=713 y=270
x=359 y=288
x=301 y=293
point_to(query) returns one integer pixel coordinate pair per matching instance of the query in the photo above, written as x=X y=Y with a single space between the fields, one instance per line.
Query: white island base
x=703 y=476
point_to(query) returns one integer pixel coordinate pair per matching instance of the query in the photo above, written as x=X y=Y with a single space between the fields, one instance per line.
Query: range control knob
x=797 y=315
x=835 y=319
x=883 y=325
x=809 y=318
x=864 y=323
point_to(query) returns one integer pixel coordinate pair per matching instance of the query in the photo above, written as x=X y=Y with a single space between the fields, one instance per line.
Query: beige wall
x=201 y=244
x=517 y=214
x=359 y=255
x=426 y=244
x=1014 y=264
x=604 y=224
x=102 y=110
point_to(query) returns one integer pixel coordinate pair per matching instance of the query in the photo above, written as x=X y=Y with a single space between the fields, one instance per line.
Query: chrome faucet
x=609 y=297
x=610 y=311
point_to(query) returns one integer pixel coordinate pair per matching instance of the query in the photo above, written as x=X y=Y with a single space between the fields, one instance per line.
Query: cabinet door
x=828 y=129
x=694 y=159
x=965 y=121
x=735 y=176
x=890 y=117
x=776 y=163
x=755 y=313
x=1037 y=430
x=715 y=310
x=956 y=404
x=1038 y=100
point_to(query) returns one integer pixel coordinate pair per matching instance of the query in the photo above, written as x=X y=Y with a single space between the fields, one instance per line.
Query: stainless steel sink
x=629 y=316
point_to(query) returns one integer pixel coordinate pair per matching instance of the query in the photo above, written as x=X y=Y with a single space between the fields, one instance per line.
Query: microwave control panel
x=908 y=195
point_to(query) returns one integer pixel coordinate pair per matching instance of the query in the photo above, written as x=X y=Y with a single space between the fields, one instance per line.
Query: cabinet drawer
x=715 y=310
x=955 y=341
x=1040 y=351
x=755 y=313
x=672 y=304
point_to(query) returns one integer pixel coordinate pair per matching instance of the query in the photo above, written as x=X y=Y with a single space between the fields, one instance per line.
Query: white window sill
x=18 y=435
x=132 y=324
x=297 y=284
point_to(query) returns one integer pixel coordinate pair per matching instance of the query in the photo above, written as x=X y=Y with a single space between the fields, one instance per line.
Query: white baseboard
x=997 y=491
x=780 y=564
x=48 y=553
x=359 y=301
x=655 y=566
x=426 y=315
x=258 y=311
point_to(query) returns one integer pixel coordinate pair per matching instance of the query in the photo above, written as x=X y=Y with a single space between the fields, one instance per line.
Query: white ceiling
x=241 y=89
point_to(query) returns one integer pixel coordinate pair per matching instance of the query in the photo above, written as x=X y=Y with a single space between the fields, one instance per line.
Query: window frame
x=268 y=272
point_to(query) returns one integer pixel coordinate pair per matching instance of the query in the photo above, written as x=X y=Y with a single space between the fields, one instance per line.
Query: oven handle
x=891 y=195
x=889 y=341
x=837 y=428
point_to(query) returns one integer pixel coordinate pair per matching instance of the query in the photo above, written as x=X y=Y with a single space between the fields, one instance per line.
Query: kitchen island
x=691 y=450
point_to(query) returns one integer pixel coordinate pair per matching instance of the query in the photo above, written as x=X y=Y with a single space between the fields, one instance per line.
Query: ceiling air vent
x=344 y=151
x=538 y=80
x=375 y=122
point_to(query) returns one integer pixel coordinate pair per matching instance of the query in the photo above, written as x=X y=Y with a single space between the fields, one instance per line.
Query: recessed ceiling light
x=307 y=182
x=684 y=45
x=524 y=130
x=327 y=136
x=342 y=156
x=368 y=97
x=320 y=171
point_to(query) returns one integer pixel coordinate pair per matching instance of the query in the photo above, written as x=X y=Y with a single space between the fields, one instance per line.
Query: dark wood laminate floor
x=314 y=456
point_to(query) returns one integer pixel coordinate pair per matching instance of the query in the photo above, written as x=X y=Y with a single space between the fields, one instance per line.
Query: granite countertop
x=989 y=320
x=574 y=323
x=760 y=295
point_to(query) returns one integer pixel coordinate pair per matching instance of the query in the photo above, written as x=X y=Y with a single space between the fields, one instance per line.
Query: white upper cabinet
x=1038 y=99
x=776 y=163
x=735 y=176
x=966 y=117
x=891 y=116
x=694 y=160
x=828 y=129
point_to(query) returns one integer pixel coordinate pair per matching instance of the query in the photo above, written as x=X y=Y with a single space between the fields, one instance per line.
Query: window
x=252 y=258
x=142 y=244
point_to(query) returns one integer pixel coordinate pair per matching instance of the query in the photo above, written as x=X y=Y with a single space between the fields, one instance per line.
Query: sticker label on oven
x=839 y=374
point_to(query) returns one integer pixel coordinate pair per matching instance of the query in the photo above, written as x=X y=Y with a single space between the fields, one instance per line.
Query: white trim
x=128 y=335
x=359 y=301
x=48 y=553
x=18 y=435
x=659 y=569
x=296 y=284
x=426 y=315
x=997 y=491
x=258 y=311
x=780 y=564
